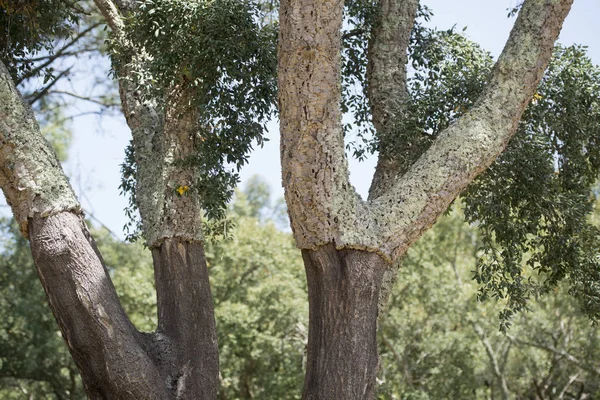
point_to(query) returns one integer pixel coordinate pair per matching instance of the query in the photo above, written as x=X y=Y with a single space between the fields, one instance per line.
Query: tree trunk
x=186 y=318
x=343 y=292
x=106 y=347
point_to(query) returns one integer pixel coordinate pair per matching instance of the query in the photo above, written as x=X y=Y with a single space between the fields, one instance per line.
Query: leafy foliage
x=437 y=341
x=223 y=59
x=28 y=27
x=534 y=203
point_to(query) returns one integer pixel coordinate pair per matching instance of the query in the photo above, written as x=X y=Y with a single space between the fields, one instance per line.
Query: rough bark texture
x=343 y=293
x=185 y=344
x=386 y=78
x=104 y=344
x=31 y=176
x=470 y=145
x=323 y=206
x=320 y=199
x=162 y=140
x=186 y=318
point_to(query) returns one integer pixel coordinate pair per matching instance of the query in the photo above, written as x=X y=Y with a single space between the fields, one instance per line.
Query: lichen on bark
x=31 y=176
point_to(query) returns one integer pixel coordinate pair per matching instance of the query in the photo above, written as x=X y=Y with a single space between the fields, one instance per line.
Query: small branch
x=571 y=380
x=391 y=348
x=80 y=97
x=44 y=91
x=60 y=53
x=493 y=360
x=52 y=56
x=93 y=217
x=569 y=357
x=352 y=33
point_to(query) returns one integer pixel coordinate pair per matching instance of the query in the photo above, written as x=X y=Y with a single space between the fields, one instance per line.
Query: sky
x=98 y=146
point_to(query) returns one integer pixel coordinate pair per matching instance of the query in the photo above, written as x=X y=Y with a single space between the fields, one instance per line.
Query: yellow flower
x=182 y=190
x=536 y=97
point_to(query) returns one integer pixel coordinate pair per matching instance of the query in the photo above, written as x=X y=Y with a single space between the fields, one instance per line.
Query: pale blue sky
x=98 y=145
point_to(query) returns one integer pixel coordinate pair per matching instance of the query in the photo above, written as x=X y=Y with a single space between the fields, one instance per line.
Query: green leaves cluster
x=534 y=203
x=223 y=60
x=28 y=27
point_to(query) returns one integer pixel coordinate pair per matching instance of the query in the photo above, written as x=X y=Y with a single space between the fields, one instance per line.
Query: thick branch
x=30 y=174
x=186 y=317
x=111 y=14
x=321 y=202
x=471 y=144
x=386 y=77
x=101 y=339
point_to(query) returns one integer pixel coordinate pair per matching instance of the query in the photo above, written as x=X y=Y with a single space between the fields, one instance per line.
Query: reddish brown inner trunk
x=343 y=292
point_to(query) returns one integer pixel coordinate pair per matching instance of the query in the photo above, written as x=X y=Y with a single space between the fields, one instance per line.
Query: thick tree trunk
x=106 y=347
x=343 y=292
x=186 y=317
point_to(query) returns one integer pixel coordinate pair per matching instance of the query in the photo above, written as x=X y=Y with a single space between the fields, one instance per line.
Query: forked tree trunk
x=343 y=291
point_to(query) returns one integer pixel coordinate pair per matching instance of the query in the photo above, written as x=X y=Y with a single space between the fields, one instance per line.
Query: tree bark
x=101 y=339
x=348 y=244
x=186 y=319
x=386 y=83
x=343 y=293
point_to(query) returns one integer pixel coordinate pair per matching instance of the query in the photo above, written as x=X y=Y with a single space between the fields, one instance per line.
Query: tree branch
x=30 y=175
x=99 y=335
x=111 y=14
x=386 y=80
x=493 y=361
x=60 y=53
x=321 y=202
x=470 y=145
x=44 y=91
x=85 y=98
x=569 y=357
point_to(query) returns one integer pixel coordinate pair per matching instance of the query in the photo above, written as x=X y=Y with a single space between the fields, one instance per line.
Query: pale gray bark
x=161 y=139
x=318 y=193
x=386 y=78
x=470 y=145
x=495 y=365
x=323 y=207
x=31 y=176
